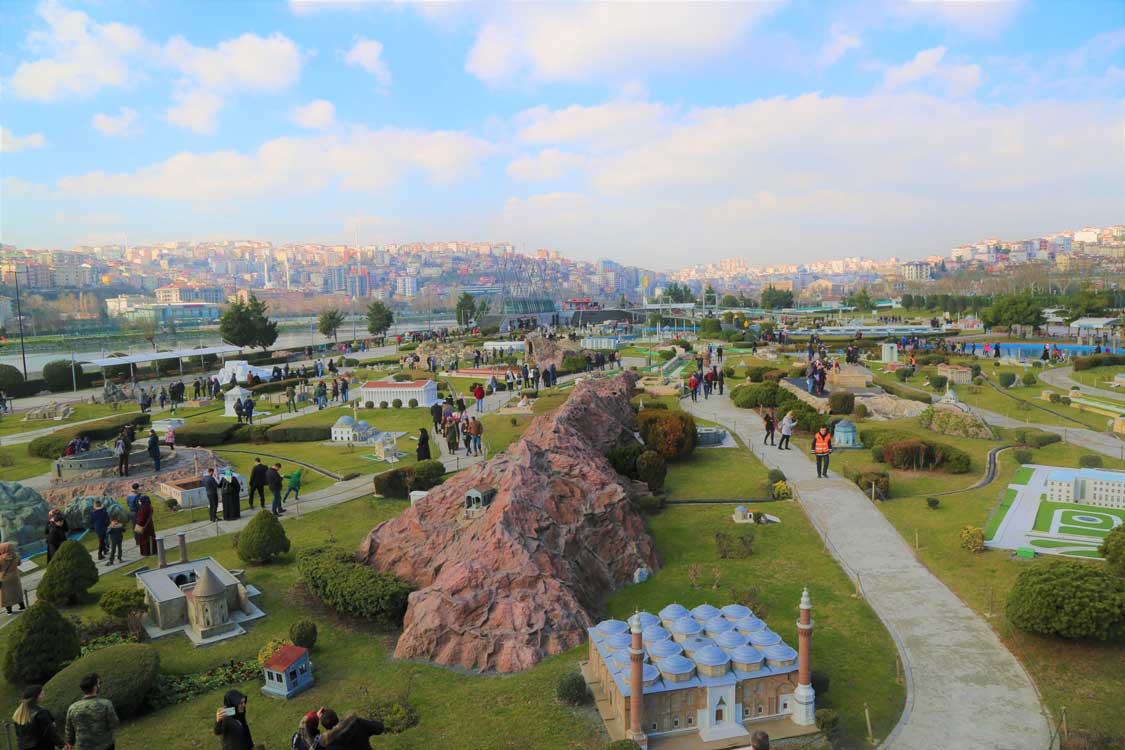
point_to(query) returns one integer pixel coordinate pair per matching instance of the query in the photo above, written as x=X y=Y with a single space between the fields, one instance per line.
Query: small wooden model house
x=288 y=672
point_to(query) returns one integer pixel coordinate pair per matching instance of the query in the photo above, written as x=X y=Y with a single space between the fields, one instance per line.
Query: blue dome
x=655 y=633
x=710 y=656
x=691 y=645
x=609 y=627
x=620 y=660
x=750 y=624
x=704 y=612
x=716 y=625
x=731 y=639
x=619 y=640
x=362 y=425
x=649 y=673
x=647 y=620
x=344 y=421
x=740 y=509
x=686 y=626
x=746 y=655
x=673 y=612
x=780 y=652
x=676 y=665
x=764 y=638
x=735 y=612
x=663 y=649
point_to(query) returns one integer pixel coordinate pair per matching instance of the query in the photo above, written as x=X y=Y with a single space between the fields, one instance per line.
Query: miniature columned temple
x=705 y=676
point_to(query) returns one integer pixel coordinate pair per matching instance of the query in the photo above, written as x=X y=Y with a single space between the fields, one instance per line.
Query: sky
x=656 y=134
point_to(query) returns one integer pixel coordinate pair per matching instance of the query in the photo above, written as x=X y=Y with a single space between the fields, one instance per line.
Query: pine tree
x=69 y=575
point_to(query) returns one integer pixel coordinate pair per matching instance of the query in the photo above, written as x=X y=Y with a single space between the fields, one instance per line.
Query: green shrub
x=624 y=459
x=248 y=433
x=396 y=714
x=53 y=445
x=623 y=745
x=1033 y=438
x=665 y=355
x=920 y=455
x=1023 y=456
x=10 y=379
x=395 y=483
x=352 y=588
x=298 y=433
x=972 y=538
x=841 y=402
x=1068 y=598
x=573 y=363
x=1113 y=550
x=1055 y=397
x=402 y=377
x=427 y=474
x=933 y=503
x=756 y=395
x=652 y=469
x=1098 y=360
x=1090 y=461
x=828 y=722
x=861 y=410
x=40 y=642
x=412 y=403
x=1006 y=379
x=59 y=377
x=128 y=673
x=669 y=433
x=383 y=404
x=120 y=601
x=776 y=376
x=397 y=403
x=262 y=539
x=929 y=360
x=1029 y=379
x=368 y=404
x=938 y=382
x=69 y=575
x=875 y=437
x=775 y=475
x=903 y=374
x=572 y=689
x=650 y=504
x=303 y=633
x=205 y=434
x=757 y=373
x=864 y=478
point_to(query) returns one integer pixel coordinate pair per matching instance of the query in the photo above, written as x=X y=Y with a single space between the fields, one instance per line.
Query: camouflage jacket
x=90 y=723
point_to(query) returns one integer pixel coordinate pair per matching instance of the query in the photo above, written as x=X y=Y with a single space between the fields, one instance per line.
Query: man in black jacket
x=273 y=479
x=211 y=487
x=349 y=733
x=258 y=483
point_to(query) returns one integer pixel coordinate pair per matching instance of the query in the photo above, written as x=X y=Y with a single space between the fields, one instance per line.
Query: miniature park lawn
x=460 y=710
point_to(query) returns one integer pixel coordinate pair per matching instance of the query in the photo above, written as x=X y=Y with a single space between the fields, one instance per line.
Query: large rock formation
x=526 y=577
x=544 y=352
x=23 y=514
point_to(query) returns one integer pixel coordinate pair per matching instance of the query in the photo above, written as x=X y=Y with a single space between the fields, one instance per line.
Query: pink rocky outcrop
x=525 y=578
x=544 y=352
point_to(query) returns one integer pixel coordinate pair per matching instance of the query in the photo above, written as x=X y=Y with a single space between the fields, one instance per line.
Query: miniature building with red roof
x=288 y=672
x=423 y=392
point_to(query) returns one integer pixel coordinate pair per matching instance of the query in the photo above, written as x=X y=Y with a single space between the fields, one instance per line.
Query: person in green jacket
x=90 y=721
x=290 y=399
x=294 y=480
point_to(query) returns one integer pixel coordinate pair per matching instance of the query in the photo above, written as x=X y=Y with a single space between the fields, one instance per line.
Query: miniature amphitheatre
x=624 y=563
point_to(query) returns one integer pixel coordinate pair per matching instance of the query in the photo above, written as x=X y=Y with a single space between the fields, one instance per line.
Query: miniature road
x=964 y=688
x=1105 y=443
x=1060 y=377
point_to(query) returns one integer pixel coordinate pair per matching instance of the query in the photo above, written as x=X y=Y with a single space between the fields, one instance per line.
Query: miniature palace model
x=422 y=391
x=704 y=674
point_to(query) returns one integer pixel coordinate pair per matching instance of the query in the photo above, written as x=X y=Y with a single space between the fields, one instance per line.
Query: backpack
x=296 y=743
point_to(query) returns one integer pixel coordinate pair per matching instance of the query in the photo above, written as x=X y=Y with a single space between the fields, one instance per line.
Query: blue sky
x=654 y=133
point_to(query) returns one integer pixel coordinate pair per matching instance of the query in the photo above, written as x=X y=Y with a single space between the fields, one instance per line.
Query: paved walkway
x=1105 y=443
x=1060 y=377
x=964 y=687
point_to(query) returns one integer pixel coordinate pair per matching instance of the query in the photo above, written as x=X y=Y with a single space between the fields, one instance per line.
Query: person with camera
x=231 y=725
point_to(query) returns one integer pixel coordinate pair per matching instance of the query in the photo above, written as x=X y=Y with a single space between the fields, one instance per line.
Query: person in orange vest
x=822 y=449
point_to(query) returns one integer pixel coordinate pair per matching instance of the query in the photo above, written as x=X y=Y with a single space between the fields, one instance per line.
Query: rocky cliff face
x=525 y=578
x=545 y=352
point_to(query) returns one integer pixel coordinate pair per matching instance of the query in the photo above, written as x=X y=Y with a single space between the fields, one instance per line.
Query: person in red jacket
x=478 y=394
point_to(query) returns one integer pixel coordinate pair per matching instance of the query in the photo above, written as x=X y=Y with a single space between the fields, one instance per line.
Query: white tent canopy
x=136 y=359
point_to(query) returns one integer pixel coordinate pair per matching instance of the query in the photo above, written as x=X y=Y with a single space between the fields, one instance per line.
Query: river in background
x=295 y=333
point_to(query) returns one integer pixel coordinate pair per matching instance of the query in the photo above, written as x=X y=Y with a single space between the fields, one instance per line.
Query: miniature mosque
x=701 y=677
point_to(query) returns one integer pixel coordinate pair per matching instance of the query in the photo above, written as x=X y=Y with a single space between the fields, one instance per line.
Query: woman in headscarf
x=35 y=727
x=11 y=590
x=145 y=529
x=231 y=726
x=231 y=492
x=423 y=450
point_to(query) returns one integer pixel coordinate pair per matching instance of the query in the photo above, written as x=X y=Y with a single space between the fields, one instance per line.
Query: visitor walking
x=116 y=536
x=231 y=725
x=121 y=451
x=786 y=428
x=476 y=430
x=423 y=450
x=99 y=519
x=154 y=449
x=822 y=449
x=273 y=479
x=248 y=410
x=238 y=410
x=211 y=488
x=90 y=721
x=144 y=530
x=294 y=480
x=257 y=483
x=56 y=533
x=478 y=394
x=35 y=726
x=349 y=733
x=770 y=425
x=290 y=399
x=231 y=490
x=11 y=588
x=170 y=439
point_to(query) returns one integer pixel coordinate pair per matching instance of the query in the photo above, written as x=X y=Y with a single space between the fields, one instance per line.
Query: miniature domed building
x=610 y=627
x=704 y=612
x=845 y=436
x=655 y=633
x=731 y=640
x=685 y=628
x=695 y=643
x=716 y=625
x=780 y=655
x=676 y=668
x=647 y=619
x=618 y=641
x=735 y=612
x=208 y=614
x=749 y=624
x=746 y=659
x=711 y=661
x=663 y=649
x=673 y=612
x=764 y=637
x=347 y=430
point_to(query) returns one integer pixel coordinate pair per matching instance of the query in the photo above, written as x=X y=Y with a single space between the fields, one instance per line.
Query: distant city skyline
x=658 y=135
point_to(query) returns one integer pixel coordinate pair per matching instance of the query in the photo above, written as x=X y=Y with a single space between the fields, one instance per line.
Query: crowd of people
x=451 y=420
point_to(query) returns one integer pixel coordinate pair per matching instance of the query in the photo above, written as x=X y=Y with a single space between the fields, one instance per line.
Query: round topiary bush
x=40 y=642
x=262 y=539
x=10 y=379
x=938 y=382
x=303 y=633
x=427 y=474
x=652 y=469
x=1090 y=461
x=572 y=689
x=669 y=433
x=1068 y=598
x=1029 y=379
x=1006 y=379
x=397 y=403
x=861 y=411
x=841 y=402
x=383 y=404
x=412 y=403
x=69 y=575
x=120 y=601
x=58 y=375
x=368 y=404
x=775 y=475
x=128 y=672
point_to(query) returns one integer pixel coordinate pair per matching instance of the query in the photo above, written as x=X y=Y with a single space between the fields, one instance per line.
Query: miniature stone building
x=422 y=391
x=51 y=411
x=288 y=672
x=189 y=493
x=348 y=430
x=477 y=500
x=889 y=353
x=845 y=435
x=956 y=374
x=710 y=436
x=850 y=376
x=689 y=678
x=200 y=597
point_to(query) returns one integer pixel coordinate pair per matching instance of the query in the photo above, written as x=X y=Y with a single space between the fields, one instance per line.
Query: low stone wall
x=820 y=404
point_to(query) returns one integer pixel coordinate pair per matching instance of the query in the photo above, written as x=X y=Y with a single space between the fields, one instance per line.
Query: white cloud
x=15 y=187
x=929 y=65
x=121 y=124
x=600 y=126
x=974 y=17
x=584 y=41
x=11 y=143
x=548 y=164
x=368 y=54
x=195 y=110
x=249 y=62
x=839 y=43
x=318 y=114
x=364 y=160
x=78 y=56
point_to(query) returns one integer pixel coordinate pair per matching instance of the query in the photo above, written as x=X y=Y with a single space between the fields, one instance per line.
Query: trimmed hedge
x=118 y=602
x=841 y=402
x=53 y=445
x=394 y=484
x=204 y=434
x=1033 y=438
x=652 y=469
x=1090 y=461
x=302 y=433
x=58 y=376
x=1098 y=360
x=915 y=454
x=250 y=433
x=69 y=575
x=352 y=588
x=128 y=672
x=11 y=379
x=427 y=474
x=39 y=643
x=1070 y=599
x=669 y=433
x=1006 y=379
x=904 y=392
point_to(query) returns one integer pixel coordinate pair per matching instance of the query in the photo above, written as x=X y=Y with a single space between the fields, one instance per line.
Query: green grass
x=1046 y=513
x=716 y=474
x=1023 y=475
x=1057 y=666
x=22 y=466
x=997 y=516
x=500 y=432
x=14 y=424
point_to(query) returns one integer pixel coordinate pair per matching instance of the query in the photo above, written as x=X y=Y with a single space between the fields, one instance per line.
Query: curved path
x=964 y=688
x=1106 y=443
x=1060 y=377
x=989 y=474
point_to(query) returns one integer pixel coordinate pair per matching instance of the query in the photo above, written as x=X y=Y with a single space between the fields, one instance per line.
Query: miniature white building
x=238 y=393
x=422 y=391
x=242 y=370
x=1101 y=487
x=348 y=430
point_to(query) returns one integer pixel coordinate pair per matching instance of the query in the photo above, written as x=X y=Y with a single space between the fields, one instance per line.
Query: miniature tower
x=636 y=684
x=804 y=697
